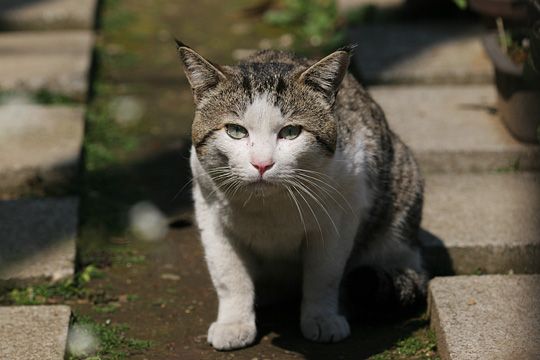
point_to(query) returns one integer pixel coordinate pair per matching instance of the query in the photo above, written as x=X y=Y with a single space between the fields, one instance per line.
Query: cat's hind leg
x=385 y=278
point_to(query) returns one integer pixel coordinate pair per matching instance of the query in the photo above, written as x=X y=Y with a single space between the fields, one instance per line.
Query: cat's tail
x=377 y=292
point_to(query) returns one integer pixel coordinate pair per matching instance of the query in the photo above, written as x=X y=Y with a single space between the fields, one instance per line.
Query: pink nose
x=262 y=166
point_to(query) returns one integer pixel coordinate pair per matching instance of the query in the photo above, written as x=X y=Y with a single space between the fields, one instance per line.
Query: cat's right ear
x=326 y=75
x=201 y=73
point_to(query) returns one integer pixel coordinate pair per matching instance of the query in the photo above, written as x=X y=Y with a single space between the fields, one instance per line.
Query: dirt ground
x=175 y=303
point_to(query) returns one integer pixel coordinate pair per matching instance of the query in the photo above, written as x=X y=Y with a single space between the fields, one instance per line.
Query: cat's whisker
x=231 y=185
x=317 y=190
x=314 y=197
x=295 y=186
x=316 y=173
x=322 y=182
x=295 y=201
x=221 y=177
x=211 y=171
x=221 y=185
x=247 y=200
x=237 y=187
x=182 y=188
x=321 y=188
x=218 y=170
x=329 y=190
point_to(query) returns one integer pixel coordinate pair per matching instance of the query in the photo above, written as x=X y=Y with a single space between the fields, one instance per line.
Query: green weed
x=313 y=22
x=42 y=97
x=108 y=308
x=42 y=294
x=47 y=97
x=515 y=166
x=420 y=345
x=133 y=297
x=113 y=340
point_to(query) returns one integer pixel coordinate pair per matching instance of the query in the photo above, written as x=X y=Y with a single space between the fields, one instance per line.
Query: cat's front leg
x=324 y=263
x=235 y=323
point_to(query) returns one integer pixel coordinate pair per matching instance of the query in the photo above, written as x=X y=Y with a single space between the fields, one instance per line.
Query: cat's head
x=267 y=119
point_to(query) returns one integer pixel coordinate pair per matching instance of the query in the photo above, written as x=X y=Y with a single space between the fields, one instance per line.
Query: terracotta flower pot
x=511 y=10
x=518 y=101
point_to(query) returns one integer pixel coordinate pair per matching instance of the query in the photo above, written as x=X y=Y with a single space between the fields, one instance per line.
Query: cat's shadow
x=372 y=333
x=279 y=324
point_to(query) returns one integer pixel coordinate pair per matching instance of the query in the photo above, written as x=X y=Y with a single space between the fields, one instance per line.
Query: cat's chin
x=262 y=187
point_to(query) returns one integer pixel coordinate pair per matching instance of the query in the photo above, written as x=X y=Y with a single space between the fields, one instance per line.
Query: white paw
x=325 y=328
x=228 y=336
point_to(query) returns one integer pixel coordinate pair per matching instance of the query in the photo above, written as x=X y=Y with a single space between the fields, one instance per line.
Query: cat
x=298 y=182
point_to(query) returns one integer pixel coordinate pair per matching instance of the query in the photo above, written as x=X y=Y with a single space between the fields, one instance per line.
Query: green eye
x=236 y=131
x=290 y=132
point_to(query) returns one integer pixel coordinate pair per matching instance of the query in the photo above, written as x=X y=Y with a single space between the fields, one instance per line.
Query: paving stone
x=420 y=53
x=482 y=222
x=47 y=14
x=39 y=145
x=57 y=61
x=491 y=317
x=454 y=128
x=37 y=239
x=34 y=332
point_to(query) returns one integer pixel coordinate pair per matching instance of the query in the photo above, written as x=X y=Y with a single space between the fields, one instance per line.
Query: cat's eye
x=290 y=132
x=236 y=131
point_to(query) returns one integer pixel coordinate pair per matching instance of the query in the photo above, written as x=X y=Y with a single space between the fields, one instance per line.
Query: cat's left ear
x=326 y=75
x=201 y=73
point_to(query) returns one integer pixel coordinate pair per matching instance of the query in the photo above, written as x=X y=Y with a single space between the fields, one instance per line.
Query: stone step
x=56 y=61
x=40 y=146
x=420 y=53
x=486 y=223
x=50 y=14
x=491 y=317
x=37 y=240
x=454 y=128
x=34 y=332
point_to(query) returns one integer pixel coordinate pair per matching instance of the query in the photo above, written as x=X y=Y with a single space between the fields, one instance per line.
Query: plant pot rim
x=515 y=10
x=500 y=60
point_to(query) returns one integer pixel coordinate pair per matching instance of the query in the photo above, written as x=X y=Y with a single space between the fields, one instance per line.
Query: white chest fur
x=270 y=227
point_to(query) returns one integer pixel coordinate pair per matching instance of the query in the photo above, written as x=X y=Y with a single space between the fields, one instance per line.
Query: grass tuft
x=113 y=340
x=52 y=293
x=421 y=345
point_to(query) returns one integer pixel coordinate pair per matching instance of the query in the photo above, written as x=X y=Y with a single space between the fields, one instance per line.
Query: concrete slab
x=420 y=53
x=34 y=332
x=492 y=317
x=39 y=145
x=57 y=61
x=454 y=128
x=482 y=222
x=47 y=14
x=37 y=239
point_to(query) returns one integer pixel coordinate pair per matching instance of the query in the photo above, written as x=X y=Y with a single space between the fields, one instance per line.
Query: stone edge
x=61 y=308
x=459 y=260
x=435 y=325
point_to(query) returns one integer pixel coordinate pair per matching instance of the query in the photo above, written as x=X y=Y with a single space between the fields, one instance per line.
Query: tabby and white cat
x=298 y=181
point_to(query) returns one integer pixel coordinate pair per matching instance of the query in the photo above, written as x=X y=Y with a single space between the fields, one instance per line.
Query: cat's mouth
x=262 y=187
x=262 y=183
